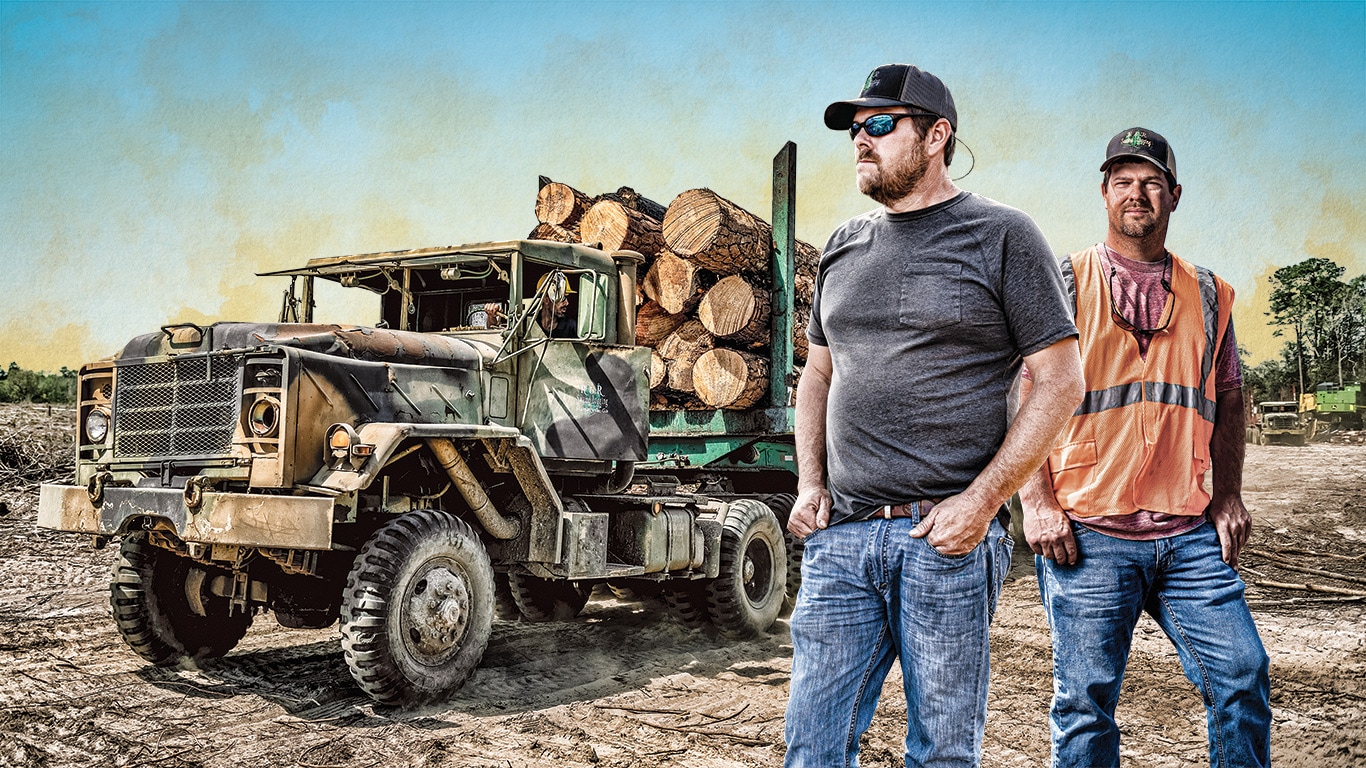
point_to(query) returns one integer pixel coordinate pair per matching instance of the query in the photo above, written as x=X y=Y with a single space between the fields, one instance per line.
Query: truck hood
x=351 y=341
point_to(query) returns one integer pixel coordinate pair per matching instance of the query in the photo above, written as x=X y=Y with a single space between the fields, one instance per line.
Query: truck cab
x=1279 y=422
x=578 y=397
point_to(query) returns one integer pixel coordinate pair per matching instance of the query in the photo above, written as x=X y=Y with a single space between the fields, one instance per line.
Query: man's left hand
x=955 y=525
x=1233 y=524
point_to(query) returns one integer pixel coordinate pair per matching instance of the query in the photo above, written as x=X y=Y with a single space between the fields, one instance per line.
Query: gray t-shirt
x=927 y=316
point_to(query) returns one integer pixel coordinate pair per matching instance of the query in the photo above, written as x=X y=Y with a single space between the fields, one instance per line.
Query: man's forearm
x=812 y=395
x=1037 y=494
x=1047 y=403
x=1037 y=491
x=1227 y=446
x=1035 y=431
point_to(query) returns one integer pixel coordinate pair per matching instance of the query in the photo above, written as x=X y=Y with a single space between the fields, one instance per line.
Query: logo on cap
x=1136 y=139
x=869 y=82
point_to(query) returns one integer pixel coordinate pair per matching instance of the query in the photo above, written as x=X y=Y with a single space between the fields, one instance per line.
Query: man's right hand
x=1049 y=533
x=810 y=513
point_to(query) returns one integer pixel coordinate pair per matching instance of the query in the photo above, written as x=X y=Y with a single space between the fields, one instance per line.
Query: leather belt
x=919 y=508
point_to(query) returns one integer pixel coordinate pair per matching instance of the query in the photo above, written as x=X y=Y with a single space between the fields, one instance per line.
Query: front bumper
x=239 y=519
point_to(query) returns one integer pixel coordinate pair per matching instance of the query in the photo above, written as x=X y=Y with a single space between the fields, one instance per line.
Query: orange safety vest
x=1140 y=438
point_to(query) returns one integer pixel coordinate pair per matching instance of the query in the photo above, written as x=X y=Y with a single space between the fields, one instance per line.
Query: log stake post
x=784 y=246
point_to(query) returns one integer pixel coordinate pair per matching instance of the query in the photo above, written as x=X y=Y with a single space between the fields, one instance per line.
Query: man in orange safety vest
x=1118 y=516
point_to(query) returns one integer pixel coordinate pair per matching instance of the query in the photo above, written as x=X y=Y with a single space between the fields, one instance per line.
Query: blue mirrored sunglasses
x=881 y=125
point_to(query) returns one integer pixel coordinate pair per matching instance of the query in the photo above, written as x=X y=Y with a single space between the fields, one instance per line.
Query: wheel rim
x=756 y=571
x=437 y=606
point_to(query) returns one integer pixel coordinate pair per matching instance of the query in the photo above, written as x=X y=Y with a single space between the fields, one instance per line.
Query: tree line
x=1323 y=319
x=19 y=385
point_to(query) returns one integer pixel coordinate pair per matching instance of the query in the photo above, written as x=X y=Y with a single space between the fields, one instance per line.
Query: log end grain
x=692 y=221
x=737 y=310
x=730 y=379
x=560 y=204
x=614 y=226
x=654 y=324
x=676 y=284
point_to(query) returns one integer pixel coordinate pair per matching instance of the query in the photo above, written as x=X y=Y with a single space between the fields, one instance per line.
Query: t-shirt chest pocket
x=931 y=295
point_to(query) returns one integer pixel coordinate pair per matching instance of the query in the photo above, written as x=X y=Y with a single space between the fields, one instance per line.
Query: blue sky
x=158 y=154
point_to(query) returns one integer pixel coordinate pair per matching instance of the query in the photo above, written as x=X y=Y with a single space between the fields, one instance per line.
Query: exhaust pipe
x=499 y=527
x=627 y=262
x=620 y=479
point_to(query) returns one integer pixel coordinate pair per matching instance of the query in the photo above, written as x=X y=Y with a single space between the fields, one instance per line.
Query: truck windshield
x=335 y=304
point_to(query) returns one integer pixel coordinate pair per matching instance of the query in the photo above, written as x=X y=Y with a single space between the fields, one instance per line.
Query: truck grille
x=185 y=406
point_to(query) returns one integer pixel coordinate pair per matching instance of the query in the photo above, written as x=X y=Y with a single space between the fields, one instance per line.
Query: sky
x=154 y=155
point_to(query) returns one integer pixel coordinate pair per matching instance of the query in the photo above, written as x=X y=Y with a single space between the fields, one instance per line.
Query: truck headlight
x=264 y=417
x=340 y=437
x=96 y=425
x=344 y=447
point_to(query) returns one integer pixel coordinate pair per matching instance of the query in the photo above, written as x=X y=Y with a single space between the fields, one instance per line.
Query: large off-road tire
x=687 y=603
x=547 y=599
x=745 y=599
x=782 y=504
x=630 y=590
x=151 y=599
x=418 y=609
x=505 y=607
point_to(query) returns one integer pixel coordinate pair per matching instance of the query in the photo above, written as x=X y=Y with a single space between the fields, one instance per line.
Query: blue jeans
x=870 y=594
x=1197 y=599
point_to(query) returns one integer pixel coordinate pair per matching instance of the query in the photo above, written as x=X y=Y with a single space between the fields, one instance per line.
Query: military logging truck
x=399 y=477
x=1330 y=408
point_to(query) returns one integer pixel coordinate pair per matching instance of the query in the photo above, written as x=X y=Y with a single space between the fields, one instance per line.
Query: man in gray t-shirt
x=923 y=312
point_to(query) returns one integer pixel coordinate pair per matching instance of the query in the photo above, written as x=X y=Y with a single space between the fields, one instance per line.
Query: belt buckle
x=886 y=511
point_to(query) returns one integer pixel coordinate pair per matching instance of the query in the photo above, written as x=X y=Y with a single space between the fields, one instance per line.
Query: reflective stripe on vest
x=1209 y=302
x=1113 y=397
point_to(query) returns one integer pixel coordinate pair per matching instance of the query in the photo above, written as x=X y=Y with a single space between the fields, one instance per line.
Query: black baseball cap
x=1141 y=144
x=895 y=85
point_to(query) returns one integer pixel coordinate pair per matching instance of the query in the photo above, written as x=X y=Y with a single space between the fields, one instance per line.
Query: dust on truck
x=410 y=478
x=1280 y=423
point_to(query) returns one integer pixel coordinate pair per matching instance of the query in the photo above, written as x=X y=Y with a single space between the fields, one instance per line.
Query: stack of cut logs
x=705 y=290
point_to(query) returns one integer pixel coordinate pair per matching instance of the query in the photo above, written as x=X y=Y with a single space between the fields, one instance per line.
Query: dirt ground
x=622 y=685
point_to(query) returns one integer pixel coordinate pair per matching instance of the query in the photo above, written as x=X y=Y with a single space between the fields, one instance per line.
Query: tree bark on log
x=681 y=349
x=805 y=260
x=659 y=369
x=712 y=232
x=546 y=231
x=737 y=311
x=801 y=317
x=654 y=324
x=616 y=227
x=561 y=205
x=633 y=199
x=730 y=379
x=676 y=284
